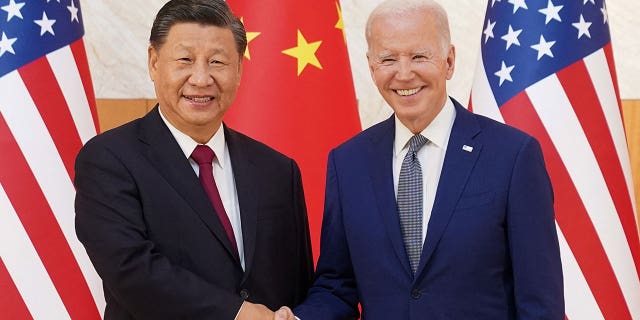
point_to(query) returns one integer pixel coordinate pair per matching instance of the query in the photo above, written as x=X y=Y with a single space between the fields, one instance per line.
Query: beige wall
x=117 y=35
x=631 y=109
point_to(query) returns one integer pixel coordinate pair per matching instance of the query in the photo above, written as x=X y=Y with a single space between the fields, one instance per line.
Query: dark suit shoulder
x=117 y=135
x=257 y=149
x=379 y=131
x=119 y=140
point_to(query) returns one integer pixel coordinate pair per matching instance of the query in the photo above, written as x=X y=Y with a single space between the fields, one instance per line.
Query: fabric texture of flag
x=546 y=67
x=297 y=92
x=47 y=111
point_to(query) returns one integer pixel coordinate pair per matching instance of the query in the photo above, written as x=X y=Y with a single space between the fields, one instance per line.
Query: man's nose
x=404 y=70
x=201 y=75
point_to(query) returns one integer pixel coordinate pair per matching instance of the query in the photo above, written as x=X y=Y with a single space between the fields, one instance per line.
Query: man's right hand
x=254 y=311
x=284 y=313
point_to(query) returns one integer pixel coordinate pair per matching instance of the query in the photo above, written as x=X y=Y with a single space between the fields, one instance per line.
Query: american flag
x=546 y=67
x=47 y=111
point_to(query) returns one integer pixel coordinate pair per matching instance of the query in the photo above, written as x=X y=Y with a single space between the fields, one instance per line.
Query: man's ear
x=153 y=61
x=451 y=61
x=370 y=63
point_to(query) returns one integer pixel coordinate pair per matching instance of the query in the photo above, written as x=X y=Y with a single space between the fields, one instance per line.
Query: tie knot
x=416 y=142
x=203 y=155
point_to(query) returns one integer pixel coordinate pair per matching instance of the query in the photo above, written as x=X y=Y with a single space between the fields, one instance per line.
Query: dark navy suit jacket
x=156 y=241
x=491 y=250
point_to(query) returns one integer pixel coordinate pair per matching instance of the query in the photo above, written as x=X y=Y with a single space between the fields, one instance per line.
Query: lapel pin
x=467 y=148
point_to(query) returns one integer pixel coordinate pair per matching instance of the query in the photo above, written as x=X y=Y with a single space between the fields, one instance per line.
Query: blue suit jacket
x=491 y=250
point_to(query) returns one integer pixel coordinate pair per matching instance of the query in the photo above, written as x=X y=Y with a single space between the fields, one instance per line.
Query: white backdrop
x=117 y=36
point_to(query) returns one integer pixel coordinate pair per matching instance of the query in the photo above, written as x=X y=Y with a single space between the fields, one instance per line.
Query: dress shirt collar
x=187 y=144
x=436 y=132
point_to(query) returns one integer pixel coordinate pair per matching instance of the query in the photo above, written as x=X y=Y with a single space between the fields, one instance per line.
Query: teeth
x=199 y=100
x=408 y=92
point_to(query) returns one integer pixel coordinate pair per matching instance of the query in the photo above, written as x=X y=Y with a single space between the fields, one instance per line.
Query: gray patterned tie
x=410 y=201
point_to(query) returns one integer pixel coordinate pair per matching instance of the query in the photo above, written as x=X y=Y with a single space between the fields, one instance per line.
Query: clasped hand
x=253 y=311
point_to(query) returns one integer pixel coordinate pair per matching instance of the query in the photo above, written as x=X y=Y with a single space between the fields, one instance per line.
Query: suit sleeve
x=305 y=255
x=533 y=241
x=110 y=224
x=333 y=295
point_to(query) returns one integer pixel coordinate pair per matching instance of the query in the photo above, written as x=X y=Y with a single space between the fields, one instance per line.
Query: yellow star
x=340 y=23
x=305 y=53
x=250 y=36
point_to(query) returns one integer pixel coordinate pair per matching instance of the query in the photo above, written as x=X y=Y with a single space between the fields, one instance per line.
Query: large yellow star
x=250 y=36
x=340 y=23
x=305 y=53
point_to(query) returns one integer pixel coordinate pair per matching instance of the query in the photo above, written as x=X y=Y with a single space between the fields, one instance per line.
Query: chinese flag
x=297 y=92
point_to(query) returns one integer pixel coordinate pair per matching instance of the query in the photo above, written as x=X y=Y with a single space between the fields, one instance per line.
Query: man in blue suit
x=434 y=213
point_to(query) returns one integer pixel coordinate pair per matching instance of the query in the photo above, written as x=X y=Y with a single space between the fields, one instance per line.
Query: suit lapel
x=457 y=167
x=244 y=173
x=380 y=156
x=164 y=153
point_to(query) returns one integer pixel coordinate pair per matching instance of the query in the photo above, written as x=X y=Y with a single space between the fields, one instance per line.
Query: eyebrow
x=384 y=55
x=187 y=47
x=423 y=52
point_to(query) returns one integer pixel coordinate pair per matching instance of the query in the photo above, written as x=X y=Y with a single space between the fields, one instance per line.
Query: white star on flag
x=517 y=4
x=605 y=15
x=583 y=27
x=488 y=32
x=512 y=37
x=6 y=44
x=494 y=2
x=45 y=24
x=74 y=12
x=551 y=12
x=504 y=73
x=592 y=1
x=544 y=47
x=13 y=9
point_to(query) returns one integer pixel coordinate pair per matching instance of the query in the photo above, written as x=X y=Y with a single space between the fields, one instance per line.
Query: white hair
x=400 y=7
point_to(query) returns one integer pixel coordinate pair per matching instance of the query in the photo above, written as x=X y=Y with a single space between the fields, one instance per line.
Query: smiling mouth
x=199 y=99
x=407 y=92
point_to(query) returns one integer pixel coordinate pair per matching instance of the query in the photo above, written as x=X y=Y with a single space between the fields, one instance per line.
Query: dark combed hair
x=206 y=12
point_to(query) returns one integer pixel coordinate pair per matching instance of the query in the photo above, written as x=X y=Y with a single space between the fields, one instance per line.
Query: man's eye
x=420 y=58
x=387 y=61
x=184 y=60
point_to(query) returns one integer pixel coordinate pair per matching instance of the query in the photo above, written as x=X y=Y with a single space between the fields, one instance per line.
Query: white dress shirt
x=222 y=174
x=431 y=156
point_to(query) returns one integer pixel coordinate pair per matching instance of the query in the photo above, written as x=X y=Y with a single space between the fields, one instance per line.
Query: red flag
x=296 y=93
x=47 y=111
x=547 y=68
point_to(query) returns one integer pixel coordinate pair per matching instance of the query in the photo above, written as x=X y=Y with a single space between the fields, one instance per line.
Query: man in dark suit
x=435 y=213
x=169 y=240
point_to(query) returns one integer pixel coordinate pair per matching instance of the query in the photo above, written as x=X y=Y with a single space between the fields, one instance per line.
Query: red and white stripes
x=45 y=118
x=575 y=114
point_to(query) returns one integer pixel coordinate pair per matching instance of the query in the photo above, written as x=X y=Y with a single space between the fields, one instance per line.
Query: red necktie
x=203 y=155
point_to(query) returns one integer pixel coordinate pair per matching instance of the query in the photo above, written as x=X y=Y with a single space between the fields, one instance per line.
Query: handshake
x=253 y=311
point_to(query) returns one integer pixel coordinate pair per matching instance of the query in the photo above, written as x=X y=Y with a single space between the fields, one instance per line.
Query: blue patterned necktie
x=410 y=201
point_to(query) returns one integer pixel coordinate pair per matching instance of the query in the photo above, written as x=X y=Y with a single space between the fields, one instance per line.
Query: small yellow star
x=250 y=36
x=305 y=53
x=340 y=23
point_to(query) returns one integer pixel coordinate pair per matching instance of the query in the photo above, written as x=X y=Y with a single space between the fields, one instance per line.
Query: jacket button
x=244 y=294
x=416 y=293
